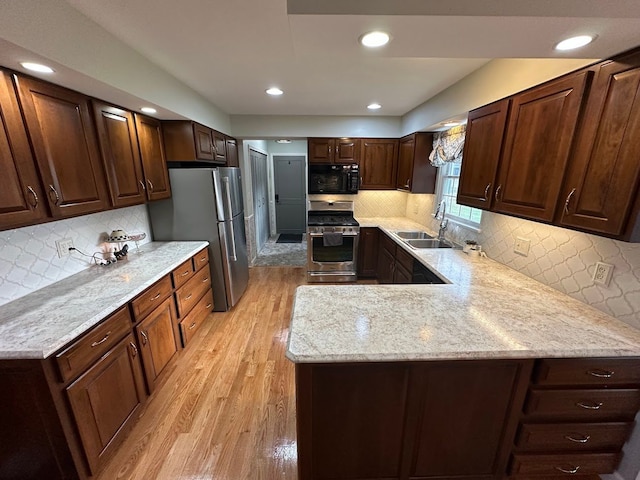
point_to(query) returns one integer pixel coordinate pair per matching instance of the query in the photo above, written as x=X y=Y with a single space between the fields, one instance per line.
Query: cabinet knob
x=486 y=192
x=34 y=195
x=56 y=200
x=568 y=201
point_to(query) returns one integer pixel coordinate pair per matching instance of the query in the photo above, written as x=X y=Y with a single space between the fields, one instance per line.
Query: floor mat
x=289 y=238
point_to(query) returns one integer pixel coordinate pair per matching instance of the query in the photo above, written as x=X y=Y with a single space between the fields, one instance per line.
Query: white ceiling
x=231 y=51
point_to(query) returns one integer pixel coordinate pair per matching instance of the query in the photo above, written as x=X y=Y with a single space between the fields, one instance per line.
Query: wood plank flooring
x=226 y=410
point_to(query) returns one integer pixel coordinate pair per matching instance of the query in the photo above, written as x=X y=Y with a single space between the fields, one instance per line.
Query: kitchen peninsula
x=479 y=378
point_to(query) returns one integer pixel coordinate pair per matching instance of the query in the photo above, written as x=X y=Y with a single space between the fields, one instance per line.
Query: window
x=448 y=178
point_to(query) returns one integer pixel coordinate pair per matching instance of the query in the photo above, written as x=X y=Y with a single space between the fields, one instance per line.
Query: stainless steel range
x=332 y=242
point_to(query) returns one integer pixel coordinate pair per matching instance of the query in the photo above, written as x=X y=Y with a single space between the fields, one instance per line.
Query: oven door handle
x=344 y=234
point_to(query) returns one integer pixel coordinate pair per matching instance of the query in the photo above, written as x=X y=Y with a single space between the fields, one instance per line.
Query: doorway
x=260 y=182
x=290 y=193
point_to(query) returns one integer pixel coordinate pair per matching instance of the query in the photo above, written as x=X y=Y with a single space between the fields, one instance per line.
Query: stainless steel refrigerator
x=206 y=204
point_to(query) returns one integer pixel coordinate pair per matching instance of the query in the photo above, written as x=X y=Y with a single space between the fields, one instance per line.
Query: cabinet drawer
x=568 y=464
x=151 y=298
x=81 y=354
x=200 y=259
x=405 y=259
x=189 y=294
x=573 y=436
x=183 y=273
x=588 y=371
x=583 y=404
x=191 y=323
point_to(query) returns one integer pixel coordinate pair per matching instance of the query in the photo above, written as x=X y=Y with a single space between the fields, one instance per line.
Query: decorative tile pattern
x=373 y=203
x=28 y=257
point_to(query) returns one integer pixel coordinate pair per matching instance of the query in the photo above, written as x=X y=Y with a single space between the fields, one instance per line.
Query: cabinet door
x=158 y=342
x=154 y=161
x=539 y=137
x=460 y=414
x=21 y=197
x=482 y=148
x=65 y=145
x=602 y=181
x=220 y=146
x=368 y=252
x=405 y=162
x=232 y=153
x=203 y=137
x=401 y=275
x=321 y=150
x=106 y=399
x=378 y=164
x=120 y=154
x=386 y=262
x=347 y=151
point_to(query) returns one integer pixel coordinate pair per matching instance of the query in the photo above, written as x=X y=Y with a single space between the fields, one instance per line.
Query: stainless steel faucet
x=444 y=222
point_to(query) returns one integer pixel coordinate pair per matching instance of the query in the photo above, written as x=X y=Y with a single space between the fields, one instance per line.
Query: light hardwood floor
x=226 y=410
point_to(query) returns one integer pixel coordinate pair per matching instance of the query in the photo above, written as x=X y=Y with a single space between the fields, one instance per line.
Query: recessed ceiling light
x=374 y=39
x=148 y=110
x=451 y=124
x=374 y=106
x=275 y=91
x=37 y=67
x=283 y=140
x=575 y=42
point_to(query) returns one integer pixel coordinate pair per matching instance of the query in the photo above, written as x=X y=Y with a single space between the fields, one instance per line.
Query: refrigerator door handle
x=234 y=255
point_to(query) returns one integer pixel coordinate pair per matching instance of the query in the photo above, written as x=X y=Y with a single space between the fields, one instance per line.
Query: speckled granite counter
x=37 y=325
x=487 y=311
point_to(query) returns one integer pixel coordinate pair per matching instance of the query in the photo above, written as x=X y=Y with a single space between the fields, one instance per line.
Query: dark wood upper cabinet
x=120 y=154
x=21 y=196
x=539 y=137
x=187 y=141
x=153 y=158
x=232 y=152
x=220 y=146
x=334 y=150
x=62 y=134
x=601 y=185
x=415 y=172
x=482 y=148
x=378 y=163
x=203 y=137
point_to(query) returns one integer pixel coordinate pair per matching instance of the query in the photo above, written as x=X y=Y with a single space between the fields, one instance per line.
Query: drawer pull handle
x=486 y=192
x=142 y=185
x=567 y=201
x=150 y=185
x=192 y=326
x=590 y=406
x=95 y=344
x=134 y=349
x=601 y=373
x=55 y=192
x=569 y=470
x=188 y=296
x=209 y=305
x=577 y=438
x=34 y=195
x=145 y=338
x=202 y=259
x=497 y=194
x=186 y=272
x=206 y=279
x=155 y=298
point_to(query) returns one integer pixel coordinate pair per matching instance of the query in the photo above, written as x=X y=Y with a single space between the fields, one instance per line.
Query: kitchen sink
x=413 y=235
x=428 y=243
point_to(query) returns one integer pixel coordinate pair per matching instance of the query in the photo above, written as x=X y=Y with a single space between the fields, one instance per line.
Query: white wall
x=57 y=31
x=284 y=126
x=28 y=257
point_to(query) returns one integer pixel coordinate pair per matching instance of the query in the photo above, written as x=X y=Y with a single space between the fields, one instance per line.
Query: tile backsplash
x=561 y=258
x=373 y=203
x=28 y=256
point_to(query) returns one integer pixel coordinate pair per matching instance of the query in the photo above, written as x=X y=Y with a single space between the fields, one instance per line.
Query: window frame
x=443 y=175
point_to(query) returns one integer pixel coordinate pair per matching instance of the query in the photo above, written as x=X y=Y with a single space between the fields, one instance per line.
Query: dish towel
x=332 y=239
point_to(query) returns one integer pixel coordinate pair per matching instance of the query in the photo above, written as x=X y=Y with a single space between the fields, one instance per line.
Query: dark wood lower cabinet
x=368 y=252
x=440 y=420
x=105 y=414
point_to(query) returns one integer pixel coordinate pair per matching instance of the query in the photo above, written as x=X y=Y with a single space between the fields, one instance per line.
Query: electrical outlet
x=602 y=273
x=63 y=246
x=522 y=246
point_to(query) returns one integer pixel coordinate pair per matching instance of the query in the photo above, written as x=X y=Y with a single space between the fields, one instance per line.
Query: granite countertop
x=486 y=311
x=39 y=324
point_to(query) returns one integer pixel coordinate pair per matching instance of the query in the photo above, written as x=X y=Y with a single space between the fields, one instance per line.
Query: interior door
x=260 y=203
x=289 y=173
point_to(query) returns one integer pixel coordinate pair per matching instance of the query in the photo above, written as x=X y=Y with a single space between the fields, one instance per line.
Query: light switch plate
x=522 y=246
x=602 y=273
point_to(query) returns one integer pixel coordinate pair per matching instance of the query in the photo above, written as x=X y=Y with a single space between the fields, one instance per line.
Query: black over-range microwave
x=327 y=178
